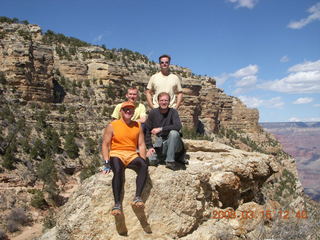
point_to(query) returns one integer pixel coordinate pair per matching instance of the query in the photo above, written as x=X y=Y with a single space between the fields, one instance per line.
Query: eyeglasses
x=127 y=109
x=164 y=62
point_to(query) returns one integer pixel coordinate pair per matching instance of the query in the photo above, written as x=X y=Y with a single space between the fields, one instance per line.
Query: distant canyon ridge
x=301 y=140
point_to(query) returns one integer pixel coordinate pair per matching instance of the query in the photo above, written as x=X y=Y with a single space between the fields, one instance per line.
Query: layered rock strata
x=28 y=65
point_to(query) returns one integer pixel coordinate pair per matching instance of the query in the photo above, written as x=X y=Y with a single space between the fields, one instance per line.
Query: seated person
x=165 y=124
x=121 y=140
x=140 y=110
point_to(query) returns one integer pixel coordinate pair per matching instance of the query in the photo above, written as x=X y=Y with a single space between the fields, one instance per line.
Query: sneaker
x=171 y=165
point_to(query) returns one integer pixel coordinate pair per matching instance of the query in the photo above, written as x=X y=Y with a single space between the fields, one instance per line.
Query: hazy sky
x=266 y=52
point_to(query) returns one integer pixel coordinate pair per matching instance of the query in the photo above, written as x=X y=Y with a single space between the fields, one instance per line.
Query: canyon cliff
x=57 y=95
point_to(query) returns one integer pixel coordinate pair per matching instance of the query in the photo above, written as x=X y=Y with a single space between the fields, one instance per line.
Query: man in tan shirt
x=164 y=81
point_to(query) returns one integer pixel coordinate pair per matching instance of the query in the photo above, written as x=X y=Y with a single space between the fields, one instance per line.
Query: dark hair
x=164 y=55
x=162 y=94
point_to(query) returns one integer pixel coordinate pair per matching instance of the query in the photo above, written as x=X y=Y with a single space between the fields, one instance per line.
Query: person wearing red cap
x=121 y=140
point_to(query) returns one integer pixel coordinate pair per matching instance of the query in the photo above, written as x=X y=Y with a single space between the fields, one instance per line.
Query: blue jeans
x=172 y=145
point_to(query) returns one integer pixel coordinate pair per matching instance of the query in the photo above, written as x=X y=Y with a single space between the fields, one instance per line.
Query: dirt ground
x=29 y=233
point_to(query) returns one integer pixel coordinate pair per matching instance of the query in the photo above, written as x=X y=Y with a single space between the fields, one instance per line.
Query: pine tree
x=53 y=140
x=70 y=146
x=47 y=172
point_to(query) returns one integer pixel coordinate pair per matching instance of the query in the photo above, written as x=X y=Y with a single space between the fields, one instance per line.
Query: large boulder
x=178 y=204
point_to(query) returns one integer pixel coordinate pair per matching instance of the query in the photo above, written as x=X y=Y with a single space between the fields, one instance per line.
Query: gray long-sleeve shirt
x=167 y=121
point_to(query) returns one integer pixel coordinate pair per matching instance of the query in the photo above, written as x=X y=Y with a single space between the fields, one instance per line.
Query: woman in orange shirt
x=121 y=140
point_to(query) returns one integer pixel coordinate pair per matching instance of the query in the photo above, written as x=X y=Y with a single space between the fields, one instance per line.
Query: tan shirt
x=160 y=83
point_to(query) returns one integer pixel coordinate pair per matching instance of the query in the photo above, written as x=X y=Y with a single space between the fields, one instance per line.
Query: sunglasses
x=127 y=109
x=164 y=62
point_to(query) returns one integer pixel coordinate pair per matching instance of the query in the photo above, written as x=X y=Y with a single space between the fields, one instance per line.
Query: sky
x=265 y=52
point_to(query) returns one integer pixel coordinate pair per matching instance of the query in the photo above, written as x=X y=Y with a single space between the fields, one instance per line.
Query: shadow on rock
x=139 y=211
x=121 y=225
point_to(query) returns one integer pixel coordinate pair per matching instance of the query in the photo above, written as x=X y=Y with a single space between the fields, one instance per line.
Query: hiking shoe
x=182 y=158
x=116 y=210
x=137 y=202
x=171 y=165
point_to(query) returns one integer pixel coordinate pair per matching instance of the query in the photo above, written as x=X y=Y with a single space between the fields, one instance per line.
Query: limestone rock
x=178 y=204
x=26 y=63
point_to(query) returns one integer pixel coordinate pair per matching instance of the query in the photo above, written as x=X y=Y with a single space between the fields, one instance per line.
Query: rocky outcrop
x=188 y=203
x=26 y=63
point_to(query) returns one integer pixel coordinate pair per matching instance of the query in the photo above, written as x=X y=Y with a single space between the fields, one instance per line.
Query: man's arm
x=148 y=126
x=179 y=91
x=149 y=98
x=143 y=113
x=142 y=145
x=179 y=99
x=108 y=132
x=142 y=119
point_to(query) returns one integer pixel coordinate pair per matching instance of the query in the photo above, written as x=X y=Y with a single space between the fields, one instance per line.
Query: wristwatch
x=106 y=165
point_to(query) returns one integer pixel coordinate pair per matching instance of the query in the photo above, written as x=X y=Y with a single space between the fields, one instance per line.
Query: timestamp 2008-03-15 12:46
x=267 y=214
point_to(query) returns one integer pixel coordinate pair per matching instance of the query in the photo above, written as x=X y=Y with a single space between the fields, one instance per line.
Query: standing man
x=164 y=81
x=164 y=123
x=140 y=110
x=121 y=140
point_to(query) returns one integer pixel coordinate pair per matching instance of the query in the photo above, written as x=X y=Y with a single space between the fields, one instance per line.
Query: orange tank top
x=125 y=137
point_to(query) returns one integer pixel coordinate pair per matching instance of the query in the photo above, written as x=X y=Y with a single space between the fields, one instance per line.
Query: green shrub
x=191 y=133
x=90 y=146
x=38 y=200
x=70 y=146
x=286 y=186
x=91 y=169
x=110 y=93
x=52 y=37
x=87 y=83
x=53 y=140
x=107 y=111
x=49 y=221
x=86 y=94
x=4 y=19
x=47 y=172
x=3 y=79
x=8 y=159
x=41 y=117
x=38 y=149
x=25 y=34
x=25 y=145
x=7 y=114
x=62 y=109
